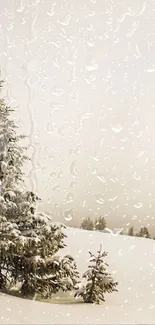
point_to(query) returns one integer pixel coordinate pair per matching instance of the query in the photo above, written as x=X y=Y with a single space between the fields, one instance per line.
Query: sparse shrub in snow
x=28 y=243
x=98 y=280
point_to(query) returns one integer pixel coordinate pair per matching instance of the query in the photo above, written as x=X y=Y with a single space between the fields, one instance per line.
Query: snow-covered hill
x=132 y=263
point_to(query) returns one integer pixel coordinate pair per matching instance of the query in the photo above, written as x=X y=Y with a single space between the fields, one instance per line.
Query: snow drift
x=131 y=262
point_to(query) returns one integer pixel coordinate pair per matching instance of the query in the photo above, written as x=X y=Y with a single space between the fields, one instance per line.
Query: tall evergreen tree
x=98 y=280
x=28 y=243
x=100 y=223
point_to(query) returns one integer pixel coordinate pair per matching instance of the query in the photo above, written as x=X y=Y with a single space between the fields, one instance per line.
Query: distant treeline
x=100 y=225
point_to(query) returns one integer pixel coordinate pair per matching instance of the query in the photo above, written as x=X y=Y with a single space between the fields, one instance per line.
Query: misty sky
x=81 y=77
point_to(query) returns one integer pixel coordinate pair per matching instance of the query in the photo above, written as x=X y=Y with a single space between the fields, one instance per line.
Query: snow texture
x=132 y=263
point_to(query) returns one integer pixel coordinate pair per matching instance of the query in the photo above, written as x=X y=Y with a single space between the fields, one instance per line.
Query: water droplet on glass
x=114 y=180
x=96 y=158
x=61 y=130
x=91 y=42
x=137 y=178
x=68 y=215
x=73 y=168
x=56 y=188
x=60 y=174
x=138 y=205
x=53 y=175
x=50 y=128
x=72 y=184
x=55 y=107
x=99 y=199
x=92 y=67
x=113 y=199
x=20 y=9
x=69 y=198
x=141 y=153
x=101 y=178
x=117 y=129
x=57 y=91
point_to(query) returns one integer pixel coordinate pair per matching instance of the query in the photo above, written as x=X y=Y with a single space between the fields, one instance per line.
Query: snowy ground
x=132 y=262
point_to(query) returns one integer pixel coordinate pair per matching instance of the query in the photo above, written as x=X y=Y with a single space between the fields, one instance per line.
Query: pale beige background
x=81 y=76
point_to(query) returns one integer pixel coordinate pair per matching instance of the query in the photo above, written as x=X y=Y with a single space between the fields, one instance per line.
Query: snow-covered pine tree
x=100 y=223
x=131 y=232
x=98 y=280
x=62 y=274
x=27 y=239
x=11 y=158
x=87 y=224
x=143 y=233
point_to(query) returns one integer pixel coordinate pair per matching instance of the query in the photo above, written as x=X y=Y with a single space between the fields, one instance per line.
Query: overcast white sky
x=81 y=77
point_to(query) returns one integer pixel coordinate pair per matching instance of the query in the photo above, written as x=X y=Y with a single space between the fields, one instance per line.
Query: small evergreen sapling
x=98 y=280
